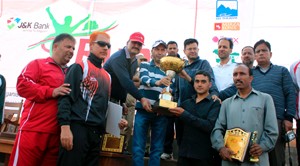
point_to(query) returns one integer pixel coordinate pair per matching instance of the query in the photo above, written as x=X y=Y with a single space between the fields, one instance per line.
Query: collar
x=153 y=64
x=208 y=97
x=95 y=60
x=128 y=55
x=196 y=60
x=253 y=91
x=258 y=67
x=51 y=60
x=229 y=63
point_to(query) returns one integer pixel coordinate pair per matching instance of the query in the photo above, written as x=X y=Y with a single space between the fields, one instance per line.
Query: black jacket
x=122 y=70
x=87 y=103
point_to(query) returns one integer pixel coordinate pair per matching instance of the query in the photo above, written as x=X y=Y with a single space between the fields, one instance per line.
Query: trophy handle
x=168 y=89
x=170 y=73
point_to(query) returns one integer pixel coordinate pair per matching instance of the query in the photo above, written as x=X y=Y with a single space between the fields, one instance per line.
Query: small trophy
x=254 y=159
x=170 y=65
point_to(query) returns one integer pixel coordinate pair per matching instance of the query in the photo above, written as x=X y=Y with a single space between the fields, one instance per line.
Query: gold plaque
x=111 y=143
x=237 y=140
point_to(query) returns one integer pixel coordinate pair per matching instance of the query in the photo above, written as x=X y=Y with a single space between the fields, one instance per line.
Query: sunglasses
x=103 y=44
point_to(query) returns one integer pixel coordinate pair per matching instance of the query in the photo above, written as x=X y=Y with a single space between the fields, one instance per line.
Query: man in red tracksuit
x=41 y=83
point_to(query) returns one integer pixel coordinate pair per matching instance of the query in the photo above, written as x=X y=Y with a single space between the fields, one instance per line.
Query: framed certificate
x=111 y=143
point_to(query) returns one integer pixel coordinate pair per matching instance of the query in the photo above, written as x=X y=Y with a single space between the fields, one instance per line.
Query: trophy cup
x=170 y=65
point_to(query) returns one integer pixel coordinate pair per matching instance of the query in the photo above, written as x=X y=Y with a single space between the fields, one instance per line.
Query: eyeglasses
x=192 y=49
x=261 y=50
x=103 y=44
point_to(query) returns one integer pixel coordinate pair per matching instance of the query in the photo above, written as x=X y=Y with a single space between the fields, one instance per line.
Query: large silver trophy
x=170 y=65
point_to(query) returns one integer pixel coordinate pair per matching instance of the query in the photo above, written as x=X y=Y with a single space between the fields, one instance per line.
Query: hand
x=176 y=111
x=226 y=153
x=146 y=104
x=123 y=123
x=66 y=137
x=125 y=109
x=183 y=74
x=164 y=81
x=287 y=125
x=61 y=91
x=215 y=98
x=255 y=150
x=136 y=81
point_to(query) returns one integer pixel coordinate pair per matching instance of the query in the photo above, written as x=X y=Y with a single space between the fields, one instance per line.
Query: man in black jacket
x=122 y=66
x=82 y=113
x=198 y=115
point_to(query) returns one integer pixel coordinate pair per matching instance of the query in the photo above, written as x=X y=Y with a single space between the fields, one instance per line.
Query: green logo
x=67 y=27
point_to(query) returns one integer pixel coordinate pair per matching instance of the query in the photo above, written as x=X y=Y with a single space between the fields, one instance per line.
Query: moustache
x=238 y=81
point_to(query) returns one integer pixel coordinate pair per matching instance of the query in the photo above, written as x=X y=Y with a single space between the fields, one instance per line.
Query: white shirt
x=223 y=75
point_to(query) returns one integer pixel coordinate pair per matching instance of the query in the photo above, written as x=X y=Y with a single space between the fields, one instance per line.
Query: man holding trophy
x=249 y=110
x=153 y=81
x=198 y=116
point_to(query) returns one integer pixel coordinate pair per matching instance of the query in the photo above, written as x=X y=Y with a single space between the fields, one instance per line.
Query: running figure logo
x=66 y=27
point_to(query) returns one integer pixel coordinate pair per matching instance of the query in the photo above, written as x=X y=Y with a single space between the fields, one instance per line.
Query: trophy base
x=162 y=106
x=167 y=103
x=254 y=159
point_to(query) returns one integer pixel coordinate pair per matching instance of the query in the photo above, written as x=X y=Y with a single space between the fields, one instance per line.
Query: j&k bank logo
x=12 y=22
x=226 y=9
x=18 y=23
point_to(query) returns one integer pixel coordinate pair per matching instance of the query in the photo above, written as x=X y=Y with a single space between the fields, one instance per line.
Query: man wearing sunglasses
x=122 y=66
x=81 y=114
x=103 y=44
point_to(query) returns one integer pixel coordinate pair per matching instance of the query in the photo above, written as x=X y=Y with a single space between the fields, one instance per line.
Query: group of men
x=260 y=117
x=65 y=109
x=276 y=81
